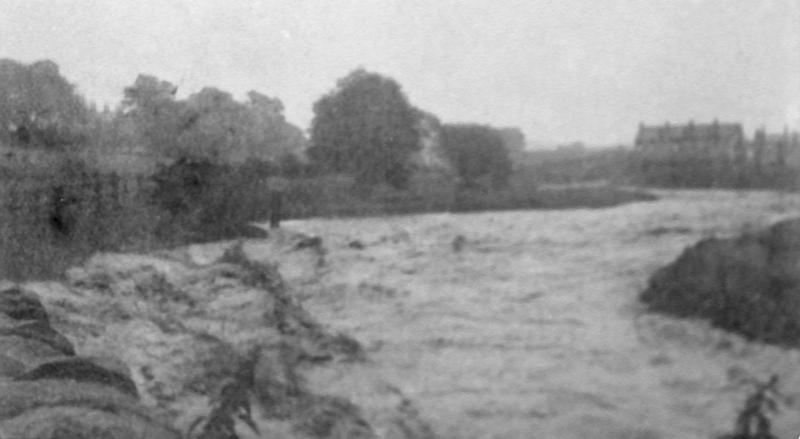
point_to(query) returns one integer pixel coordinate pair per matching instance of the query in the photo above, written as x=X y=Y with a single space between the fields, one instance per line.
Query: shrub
x=55 y=217
x=748 y=284
x=203 y=201
x=478 y=153
x=753 y=420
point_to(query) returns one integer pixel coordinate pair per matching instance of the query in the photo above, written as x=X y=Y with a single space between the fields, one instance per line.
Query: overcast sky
x=561 y=70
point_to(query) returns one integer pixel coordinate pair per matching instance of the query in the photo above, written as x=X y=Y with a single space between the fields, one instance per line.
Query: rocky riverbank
x=214 y=340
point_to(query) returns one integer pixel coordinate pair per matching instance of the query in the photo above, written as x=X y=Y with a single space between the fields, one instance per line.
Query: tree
x=224 y=130
x=514 y=140
x=38 y=106
x=367 y=128
x=216 y=127
x=477 y=152
x=273 y=136
x=158 y=117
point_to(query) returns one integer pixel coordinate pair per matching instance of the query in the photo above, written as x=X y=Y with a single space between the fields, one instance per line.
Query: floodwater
x=533 y=328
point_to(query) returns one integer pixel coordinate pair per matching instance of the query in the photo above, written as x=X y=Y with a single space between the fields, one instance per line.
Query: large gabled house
x=712 y=139
x=716 y=154
x=771 y=149
x=695 y=154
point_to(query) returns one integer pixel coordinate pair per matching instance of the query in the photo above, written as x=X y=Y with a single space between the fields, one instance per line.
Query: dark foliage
x=38 y=107
x=365 y=127
x=203 y=201
x=477 y=152
x=230 y=404
x=748 y=285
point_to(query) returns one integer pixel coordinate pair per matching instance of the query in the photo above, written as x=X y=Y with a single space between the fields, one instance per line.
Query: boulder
x=20 y=304
x=26 y=336
x=49 y=409
x=81 y=370
x=46 y=392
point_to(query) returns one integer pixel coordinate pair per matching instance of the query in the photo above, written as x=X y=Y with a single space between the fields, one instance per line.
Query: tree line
x=364 y=127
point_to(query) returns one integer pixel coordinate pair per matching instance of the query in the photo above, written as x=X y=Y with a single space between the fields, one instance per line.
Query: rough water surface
x=529 y=324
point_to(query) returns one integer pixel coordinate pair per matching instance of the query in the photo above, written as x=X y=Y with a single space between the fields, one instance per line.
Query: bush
x=57 y=217
x=478 y=153
x=203 y=201
x=748 y=284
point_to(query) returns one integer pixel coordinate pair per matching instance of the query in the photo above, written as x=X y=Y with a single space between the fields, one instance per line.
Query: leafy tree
x=367 y=128
x=209 y=125
x=148 y=93
x=38 y=106
x=291 y=166
x=477 y=152
x=150 y=103
x=224 y=130
x=216 y=127
x=273 y=136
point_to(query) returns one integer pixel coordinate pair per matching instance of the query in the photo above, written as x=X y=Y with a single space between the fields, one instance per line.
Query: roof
x=690 y=131
x=781 y=137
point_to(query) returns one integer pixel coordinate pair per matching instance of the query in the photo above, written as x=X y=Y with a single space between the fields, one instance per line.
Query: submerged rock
x=748 y=284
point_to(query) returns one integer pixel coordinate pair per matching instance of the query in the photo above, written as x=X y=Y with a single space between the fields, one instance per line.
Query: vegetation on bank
x=159 y=170
x=69 y=215
x=748 y=285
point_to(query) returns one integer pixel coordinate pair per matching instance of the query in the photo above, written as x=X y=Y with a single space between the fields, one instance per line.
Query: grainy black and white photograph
x=400 y=219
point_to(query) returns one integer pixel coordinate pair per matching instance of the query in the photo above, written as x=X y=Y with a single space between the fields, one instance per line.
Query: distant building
x=717 y=154
x=771 y=150
x=705 y=154
x=572 y=148
x=713 y=139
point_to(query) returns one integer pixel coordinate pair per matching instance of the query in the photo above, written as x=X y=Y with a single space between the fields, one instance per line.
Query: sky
x=560 y=70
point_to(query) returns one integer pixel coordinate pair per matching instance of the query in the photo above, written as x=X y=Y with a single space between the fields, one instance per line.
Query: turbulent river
x=533 y=328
